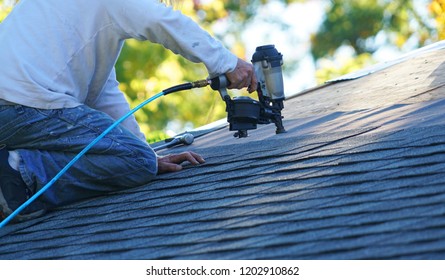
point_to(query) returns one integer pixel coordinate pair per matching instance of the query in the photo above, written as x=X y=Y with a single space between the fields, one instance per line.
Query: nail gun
x=245 y=113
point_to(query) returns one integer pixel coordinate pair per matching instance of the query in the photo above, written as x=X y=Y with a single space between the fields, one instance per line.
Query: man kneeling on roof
x=58 y=92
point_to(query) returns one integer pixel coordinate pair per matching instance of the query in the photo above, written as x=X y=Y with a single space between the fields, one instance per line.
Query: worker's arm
x=155 y=22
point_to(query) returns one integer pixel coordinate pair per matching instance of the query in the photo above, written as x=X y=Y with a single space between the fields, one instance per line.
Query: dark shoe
x=14 y=192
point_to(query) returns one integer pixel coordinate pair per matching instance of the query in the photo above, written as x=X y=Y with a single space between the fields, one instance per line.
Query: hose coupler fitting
x=200 y=83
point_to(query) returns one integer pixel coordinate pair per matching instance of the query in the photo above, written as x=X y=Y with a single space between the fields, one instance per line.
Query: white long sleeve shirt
x=61 y=53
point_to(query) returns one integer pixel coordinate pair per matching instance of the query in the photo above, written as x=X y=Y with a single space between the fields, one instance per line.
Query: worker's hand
x=243 y=76
x=172 y=163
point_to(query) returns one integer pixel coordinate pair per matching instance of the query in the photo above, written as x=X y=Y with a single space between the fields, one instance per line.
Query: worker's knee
x=142 y=168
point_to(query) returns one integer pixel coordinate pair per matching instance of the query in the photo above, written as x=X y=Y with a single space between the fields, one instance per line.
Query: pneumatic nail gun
x=243 y=112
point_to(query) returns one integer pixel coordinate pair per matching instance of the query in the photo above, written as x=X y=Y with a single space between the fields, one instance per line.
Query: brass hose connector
x=200 y=83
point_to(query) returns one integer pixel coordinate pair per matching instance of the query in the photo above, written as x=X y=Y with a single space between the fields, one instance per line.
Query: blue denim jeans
x=47 y=140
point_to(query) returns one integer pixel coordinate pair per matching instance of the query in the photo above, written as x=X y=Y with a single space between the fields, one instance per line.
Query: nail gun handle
x=220 y=84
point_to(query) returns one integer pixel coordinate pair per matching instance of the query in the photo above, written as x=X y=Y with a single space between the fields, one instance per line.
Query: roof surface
x=360 y=174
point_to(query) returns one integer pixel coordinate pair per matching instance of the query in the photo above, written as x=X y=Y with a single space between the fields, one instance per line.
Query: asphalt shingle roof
x=360 y=174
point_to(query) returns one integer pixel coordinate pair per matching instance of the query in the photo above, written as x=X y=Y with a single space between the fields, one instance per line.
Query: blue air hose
x=177 y=88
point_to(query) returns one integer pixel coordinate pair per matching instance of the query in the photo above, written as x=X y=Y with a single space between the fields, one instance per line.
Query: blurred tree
x=5 y=8
x=437 y=9
x=358 y=23
x=330 y=69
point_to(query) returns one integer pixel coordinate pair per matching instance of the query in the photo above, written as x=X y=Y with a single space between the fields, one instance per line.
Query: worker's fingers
x=191 y=157
x=166 y=167
x=253 y=84
x=243 y=76
x=172 y=163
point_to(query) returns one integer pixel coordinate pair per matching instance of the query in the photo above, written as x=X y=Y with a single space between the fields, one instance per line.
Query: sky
x=302 y=19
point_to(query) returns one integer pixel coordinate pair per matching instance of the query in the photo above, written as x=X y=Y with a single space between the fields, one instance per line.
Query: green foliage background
x=357 y=24
x=144 y=68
